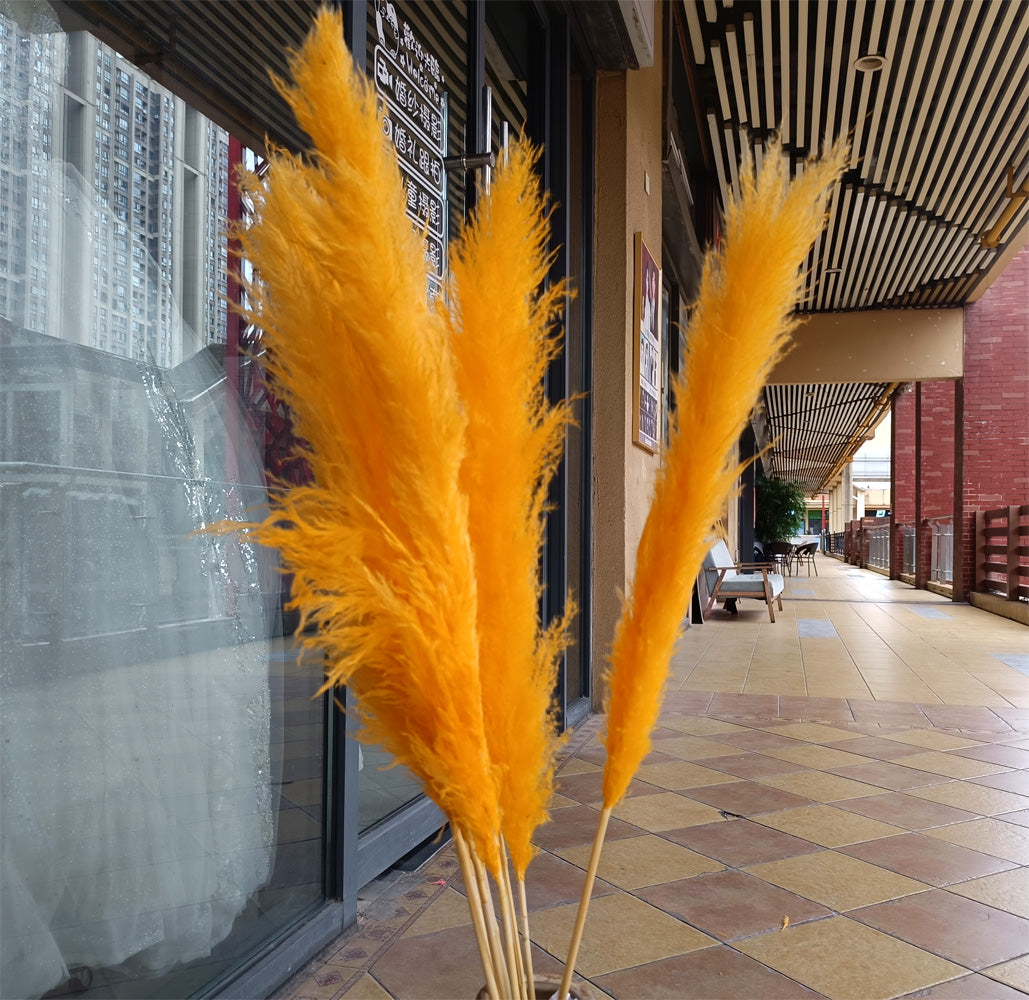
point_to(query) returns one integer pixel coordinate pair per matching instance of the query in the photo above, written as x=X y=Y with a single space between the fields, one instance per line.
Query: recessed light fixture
x=833 y=270
x=871 y=63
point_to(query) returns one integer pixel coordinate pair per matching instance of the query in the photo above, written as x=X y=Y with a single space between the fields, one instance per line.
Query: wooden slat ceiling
x=934 y=133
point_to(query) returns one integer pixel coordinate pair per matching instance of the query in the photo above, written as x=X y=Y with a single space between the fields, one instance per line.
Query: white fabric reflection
x=136 y=803
x=136 y=817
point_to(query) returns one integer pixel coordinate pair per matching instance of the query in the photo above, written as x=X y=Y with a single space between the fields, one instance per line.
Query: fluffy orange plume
x=379 y=546
x=502 y=345
x=740 y=326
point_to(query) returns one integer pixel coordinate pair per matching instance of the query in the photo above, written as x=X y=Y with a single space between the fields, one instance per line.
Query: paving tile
x=712 y=973
x=820 y=785
x=877 y=747
x=760 y=705
x=813 y=755
x=889 y=775
x=732 y=904
x=927 y=859
x=965 y=717
x=746 y=798
x=1006 y=891
x=687 y=702
x=588 y=787
x=933 y=739
x=952 y=766
x=695 y=748
x=956 y=928
x=448 y=909
x=1011 y=781
x=664 y=811
x=836 y=880
x=452 y=955
x=907 y=811
x=974 y=987
x=621 y=932
x=365 y=988
x=680 y=774
x=700 y=726
x=756 y=739
x=974 y=797
x=575 y=825
x=1014 y=973
x=992 y=836
x=1021 y=817
x=752 y=765
x=641 y=861
x=887 y=712
x=740 y=842
x=827 y=825
x=1007 y=755
x=815 y=709
x=551 y=880
x=846 y=960
x=815 y=732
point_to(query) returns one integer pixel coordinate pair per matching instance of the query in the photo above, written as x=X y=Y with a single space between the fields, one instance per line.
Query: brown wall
x=628 y=160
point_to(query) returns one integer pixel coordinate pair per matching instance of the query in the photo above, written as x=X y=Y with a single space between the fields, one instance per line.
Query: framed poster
x=646 y=350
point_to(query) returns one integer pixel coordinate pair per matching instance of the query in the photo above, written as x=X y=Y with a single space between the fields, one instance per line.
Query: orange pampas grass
x=379 y=545
x=502 y=346
x=740 y=326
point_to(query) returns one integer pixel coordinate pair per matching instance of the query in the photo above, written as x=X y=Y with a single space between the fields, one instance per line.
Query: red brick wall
x=937 y=449
x=902 y=502
x=996 y=399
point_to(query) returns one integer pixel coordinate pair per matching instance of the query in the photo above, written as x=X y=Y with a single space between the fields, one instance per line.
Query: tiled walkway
x=836 y=805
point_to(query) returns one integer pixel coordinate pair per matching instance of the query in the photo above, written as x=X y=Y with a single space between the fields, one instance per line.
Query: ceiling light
x=871 y=63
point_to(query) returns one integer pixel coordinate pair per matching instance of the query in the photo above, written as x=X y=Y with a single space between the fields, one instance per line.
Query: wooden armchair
x=728 y=579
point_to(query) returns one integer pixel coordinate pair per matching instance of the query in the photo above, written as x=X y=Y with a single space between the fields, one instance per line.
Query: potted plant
x=779 y=509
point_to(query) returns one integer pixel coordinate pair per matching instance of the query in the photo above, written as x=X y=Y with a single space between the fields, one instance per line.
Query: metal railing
x=879 y=546
x=941 y=564
x=909 y=538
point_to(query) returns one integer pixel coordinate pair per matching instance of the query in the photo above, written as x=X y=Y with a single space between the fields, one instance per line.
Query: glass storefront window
x=163 y=757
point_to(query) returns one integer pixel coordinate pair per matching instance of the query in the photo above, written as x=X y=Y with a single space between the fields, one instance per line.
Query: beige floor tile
x=1005 y=890
x=816 y=756
x=665 y=811
x=821 y=786
x=989 y=836
x=828 y=826
x=972 y=797
x=449 y=909
x=933 y=739
x=621 y=932
x=952 y=766
x=681 y=774
x=699 y=726
x=634 y=862
x=845 y=960
x=366 y=988
x=815 y=732
x=579 y=766
x=1014 y=973
x=835 y=880
x=559 y=801
x=695 y=748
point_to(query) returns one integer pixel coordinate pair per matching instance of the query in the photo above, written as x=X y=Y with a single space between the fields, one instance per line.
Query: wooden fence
x=1002 y=552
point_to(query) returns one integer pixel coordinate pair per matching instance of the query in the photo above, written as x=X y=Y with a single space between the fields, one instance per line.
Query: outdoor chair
x=782 y=554
x=804 y=555
x=728 y=580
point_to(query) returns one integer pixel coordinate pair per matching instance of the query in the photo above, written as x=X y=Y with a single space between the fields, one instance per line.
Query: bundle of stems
x=416 y=549
x=739 y=327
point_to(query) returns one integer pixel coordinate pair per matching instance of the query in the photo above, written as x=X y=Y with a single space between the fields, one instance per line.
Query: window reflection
x=162 y=762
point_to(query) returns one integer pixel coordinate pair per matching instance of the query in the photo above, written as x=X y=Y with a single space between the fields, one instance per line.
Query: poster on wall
x=646 y=352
